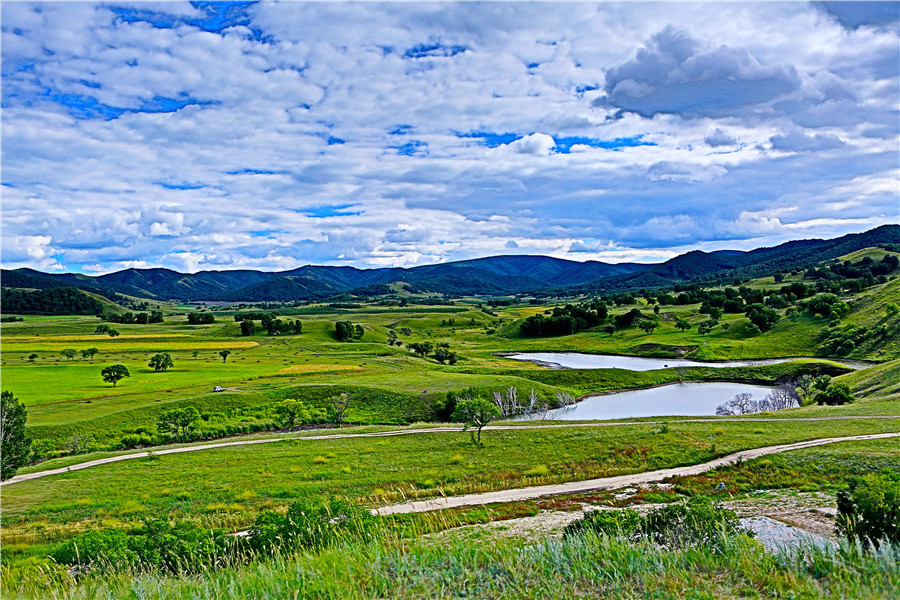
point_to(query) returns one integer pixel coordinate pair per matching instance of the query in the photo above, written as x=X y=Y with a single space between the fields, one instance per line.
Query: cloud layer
x=272 y=135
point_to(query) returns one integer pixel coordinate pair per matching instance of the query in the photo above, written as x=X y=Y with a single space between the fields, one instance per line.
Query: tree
x=195 y=353
x=835 y=394
x=89 y=353
x=102 y=328
x=892 y=309
x=246 y=328
x=224 y=354
x=804 y=385
x=682 y=324
x=68 y=353
x=32 y=356
x=161 y=362
x=358 y=332
x=741 y=404
x=113 y=373
x=15 y=441
x=475 y=413
x=646 y=326
x=337 y=407
x=113 y=333
x=869 y=511
x=289 y=412
x=180 y=421
x=343 y=330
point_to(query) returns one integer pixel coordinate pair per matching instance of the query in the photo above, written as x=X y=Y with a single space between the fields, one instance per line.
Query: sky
x=270 y=135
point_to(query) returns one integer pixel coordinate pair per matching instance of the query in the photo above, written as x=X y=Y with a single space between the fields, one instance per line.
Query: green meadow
x=75 y=416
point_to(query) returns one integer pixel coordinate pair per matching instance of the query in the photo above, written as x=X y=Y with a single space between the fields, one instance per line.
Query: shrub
x=869 y=510
x=311 y=524
x=835 y=394
x=701 y=521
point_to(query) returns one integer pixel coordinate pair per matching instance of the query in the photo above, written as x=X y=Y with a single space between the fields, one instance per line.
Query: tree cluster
x=346 y=331
x=196 y=318
x=59 y=301
x=130 y=318
x=565 y=320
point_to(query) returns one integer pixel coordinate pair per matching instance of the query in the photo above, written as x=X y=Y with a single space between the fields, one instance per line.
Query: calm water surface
x=696 y=399
x=574 y=360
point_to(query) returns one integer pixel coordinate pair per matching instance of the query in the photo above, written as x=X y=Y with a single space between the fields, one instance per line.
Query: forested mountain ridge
x=495 y=275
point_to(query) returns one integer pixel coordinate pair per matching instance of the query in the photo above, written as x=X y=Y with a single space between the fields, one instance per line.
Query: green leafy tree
x=835 y=394
x=869 y=511
x=113 y=333
x=195 y=353
x=161 y=362
x=344 y=330
x=89 y=353
x=247 y=328
x=114 y=373
x=682 y=324
x=224 y=354
x=68 y=353
x=290 y=412
x=648 y=326
x=15 y=441
x=102 y=328
x=892 y=309
x=32 y=357
x=475 y=413
x=181 y=422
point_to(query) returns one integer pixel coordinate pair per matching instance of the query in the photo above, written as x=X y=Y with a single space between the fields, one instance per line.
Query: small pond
x=692 y=399
x=574 y=360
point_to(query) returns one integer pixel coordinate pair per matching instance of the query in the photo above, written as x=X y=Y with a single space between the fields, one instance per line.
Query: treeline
x=270 y=322
x=56 y=301
x=565 y=320
x=130 y=318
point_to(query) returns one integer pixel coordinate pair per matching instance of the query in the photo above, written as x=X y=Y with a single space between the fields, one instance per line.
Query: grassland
x=67 y=399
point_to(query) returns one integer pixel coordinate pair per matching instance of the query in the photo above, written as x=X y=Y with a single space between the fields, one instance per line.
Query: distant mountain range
x=494 y=275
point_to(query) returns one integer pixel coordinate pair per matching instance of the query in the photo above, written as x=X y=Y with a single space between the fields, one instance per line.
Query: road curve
x=336 y=436
x=608 y=483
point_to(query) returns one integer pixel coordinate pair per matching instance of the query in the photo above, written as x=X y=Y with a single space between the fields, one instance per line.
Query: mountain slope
x=494 y=275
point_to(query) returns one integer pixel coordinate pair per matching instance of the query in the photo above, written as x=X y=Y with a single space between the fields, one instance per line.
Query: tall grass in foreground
x=583 y=565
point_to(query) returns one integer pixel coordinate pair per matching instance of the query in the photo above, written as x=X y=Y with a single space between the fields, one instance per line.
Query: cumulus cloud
x=280 y=134
x=677 y=74
x=719 y=138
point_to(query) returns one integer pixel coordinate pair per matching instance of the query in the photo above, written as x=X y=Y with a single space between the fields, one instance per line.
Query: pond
x=691 y=399
x=575 y=360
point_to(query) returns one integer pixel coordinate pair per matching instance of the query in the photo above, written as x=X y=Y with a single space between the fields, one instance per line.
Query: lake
x=694 y=399
x=575 y=360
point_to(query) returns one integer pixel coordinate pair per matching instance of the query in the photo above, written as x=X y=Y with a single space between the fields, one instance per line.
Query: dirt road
x=334 y=436
x=609 y=483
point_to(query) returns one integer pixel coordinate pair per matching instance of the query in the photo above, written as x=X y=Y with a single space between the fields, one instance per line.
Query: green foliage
x=682 y=324
x=15 y=441
x=344 y=331
x=289 y=412
x=336 y=407
x=246 y=327
x=180 y=422
x=701 y=521
x=161 y=362
x=565 y=320
x=157 y=545
x=196 y=318
x=647 y=326
x=63 y=301
x=89 y=353
x=475 y=413
x=114 y=373
x=835 y=394
x=311 y=524
x=762 y=316
x=224 y=354
x=869 y=510
x=68 y=353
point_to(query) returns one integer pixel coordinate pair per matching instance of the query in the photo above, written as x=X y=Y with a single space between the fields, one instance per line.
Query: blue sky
x=271 y=135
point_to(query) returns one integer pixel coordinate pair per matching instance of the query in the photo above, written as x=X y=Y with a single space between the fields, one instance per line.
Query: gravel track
x=335 y=436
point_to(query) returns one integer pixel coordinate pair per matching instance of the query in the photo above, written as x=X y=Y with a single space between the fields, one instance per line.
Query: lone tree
x=68 y=353
x=475 y=413
x=113 y=373
x=290 y=412
x=89 y=353
x=161 y=362
x=224 y=354
x=645 y=326
x=682 y=324
x=15 y=445
x=337 y=406
x=32 y=356
x=180 y=422
x=344 y=330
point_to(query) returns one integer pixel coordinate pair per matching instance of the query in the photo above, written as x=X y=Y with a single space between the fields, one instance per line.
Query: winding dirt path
x=336 y=436
x=608 y=483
